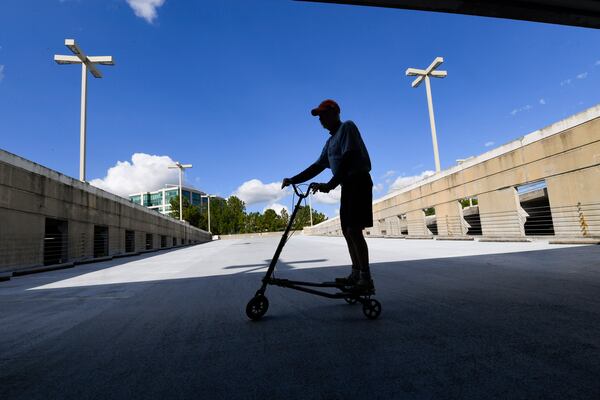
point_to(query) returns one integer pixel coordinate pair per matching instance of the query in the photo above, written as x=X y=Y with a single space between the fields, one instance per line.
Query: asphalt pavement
x=460 y=320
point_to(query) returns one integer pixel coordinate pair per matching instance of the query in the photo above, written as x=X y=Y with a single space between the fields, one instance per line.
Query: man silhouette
x=346 y=155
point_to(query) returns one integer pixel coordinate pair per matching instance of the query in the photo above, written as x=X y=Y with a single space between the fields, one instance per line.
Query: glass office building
x=160 y=200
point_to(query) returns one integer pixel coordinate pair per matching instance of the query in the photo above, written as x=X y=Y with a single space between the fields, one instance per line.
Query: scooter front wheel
x=371 y=308
x=257 y=307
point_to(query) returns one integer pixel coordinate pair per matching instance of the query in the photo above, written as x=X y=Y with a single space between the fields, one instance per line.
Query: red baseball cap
x=325 y=105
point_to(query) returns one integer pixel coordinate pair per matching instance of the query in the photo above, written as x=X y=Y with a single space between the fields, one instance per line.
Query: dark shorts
x=356 y=208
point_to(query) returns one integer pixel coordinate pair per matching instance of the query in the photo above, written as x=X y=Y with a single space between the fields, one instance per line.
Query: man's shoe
x=364 y=285
x=350 y=280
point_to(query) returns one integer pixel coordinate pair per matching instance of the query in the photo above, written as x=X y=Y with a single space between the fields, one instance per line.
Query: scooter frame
x=259 y=304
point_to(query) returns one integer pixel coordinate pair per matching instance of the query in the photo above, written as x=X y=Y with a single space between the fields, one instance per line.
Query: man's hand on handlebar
x=320 y=187
x=286 y=182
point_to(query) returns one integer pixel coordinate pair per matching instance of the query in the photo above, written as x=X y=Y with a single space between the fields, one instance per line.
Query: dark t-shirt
x=346 y=139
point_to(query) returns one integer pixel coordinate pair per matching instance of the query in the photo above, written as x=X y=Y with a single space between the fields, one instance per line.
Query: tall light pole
x=208 y=196
x=86 y=63
x=181 y=167
x=310 y=209
x=424 y=74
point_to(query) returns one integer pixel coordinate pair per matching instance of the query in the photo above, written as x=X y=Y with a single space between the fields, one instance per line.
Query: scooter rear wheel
x=257 y=307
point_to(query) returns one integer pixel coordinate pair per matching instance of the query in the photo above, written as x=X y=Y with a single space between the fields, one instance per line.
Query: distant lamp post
x=181 y=167
x=86 y=63
x=424 y=74
x=310 y=209
x=208 y=196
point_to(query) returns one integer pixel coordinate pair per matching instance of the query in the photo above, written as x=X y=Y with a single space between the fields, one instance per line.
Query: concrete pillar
x=375 y=230
x=450 y=221
x=501 y=213
x=392 y=225
x=416 y=223
x=81 y=240
x=575 y=203
x=21 y=240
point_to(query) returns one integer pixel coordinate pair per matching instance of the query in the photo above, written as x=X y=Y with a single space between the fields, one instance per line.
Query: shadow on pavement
x=502 y=326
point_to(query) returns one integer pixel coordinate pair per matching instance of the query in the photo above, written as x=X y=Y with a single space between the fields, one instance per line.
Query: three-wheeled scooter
x=259 y=304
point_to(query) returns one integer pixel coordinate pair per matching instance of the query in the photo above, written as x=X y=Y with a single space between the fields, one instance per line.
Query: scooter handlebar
x=303 y=195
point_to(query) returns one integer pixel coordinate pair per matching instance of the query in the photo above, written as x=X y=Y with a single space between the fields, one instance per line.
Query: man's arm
x=309 y=173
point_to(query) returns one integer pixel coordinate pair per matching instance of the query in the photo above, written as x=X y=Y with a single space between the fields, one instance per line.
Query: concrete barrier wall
x=566 y=155
x=30 y=194
x=256 y=235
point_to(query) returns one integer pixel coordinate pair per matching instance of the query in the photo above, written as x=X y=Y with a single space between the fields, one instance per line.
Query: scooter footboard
x=287 y=282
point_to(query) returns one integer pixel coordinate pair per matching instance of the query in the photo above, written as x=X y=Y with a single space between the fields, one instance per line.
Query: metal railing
x=580 y=220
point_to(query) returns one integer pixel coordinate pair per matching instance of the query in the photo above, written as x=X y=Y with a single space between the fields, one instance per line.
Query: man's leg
x=361 y=250
x=355 y=275
x=362 y=253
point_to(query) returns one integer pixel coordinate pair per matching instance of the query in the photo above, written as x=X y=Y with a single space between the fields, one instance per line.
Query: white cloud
x=489 y=144
x=1 y=72
x=277 y=208
x=582 y=75
x=333 y=197
x=145 y=173
x=378 y=187
x=145 y=9
x=542 y=101
x=418 y=166
x=254 y=191
x=518 y=110
x=388 y=174
x=597 y=63
x=404 y=181
x=566 y=82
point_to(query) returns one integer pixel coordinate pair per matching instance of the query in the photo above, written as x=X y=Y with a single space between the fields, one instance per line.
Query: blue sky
x=227 y=86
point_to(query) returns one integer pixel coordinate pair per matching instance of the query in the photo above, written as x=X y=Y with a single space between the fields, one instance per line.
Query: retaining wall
x=31 y=196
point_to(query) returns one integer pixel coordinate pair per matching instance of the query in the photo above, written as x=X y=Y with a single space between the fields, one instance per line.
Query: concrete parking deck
x=464 y=320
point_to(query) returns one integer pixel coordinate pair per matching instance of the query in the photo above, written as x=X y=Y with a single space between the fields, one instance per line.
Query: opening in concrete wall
x=100 y=241
x=174 y=241
x=55 y=241
x=129 y=241
x=403 y=224
x=163 y=241
x=470 y=209
x=149 y=241
x=430 y=220
x=383 y=227
x=534 y=200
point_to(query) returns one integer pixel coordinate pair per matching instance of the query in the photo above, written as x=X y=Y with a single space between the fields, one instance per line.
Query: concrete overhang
x=585 y=13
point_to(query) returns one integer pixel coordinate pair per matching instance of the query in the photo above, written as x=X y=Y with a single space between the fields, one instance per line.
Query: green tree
x=253 y=222
x=466 y=203
x=191 y=214
x=218 y=216
x=284 y=218
x=303 y=217
x=235 y=215
x=269 y=221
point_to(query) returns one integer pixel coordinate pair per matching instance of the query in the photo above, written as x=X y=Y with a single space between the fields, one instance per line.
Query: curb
x=44 y=268
x=575 y=241
x=93 y=260
x=135 y=253
x=505 y=240
x=5 y=276
x=463 y=238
